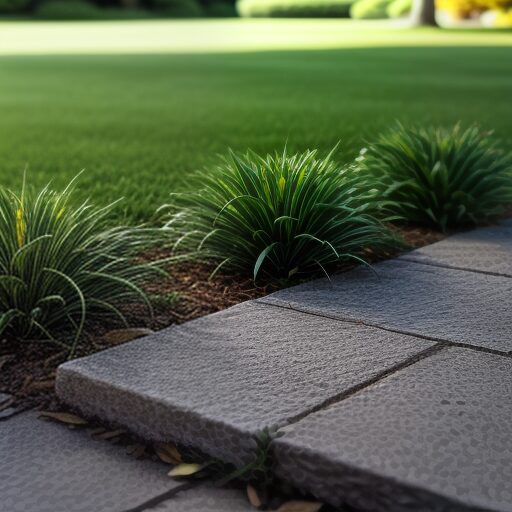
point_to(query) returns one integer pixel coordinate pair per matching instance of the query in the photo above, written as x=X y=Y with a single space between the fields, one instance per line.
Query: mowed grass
x=140 y=123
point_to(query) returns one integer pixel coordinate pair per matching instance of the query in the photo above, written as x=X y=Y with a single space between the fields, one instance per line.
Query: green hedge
x=294 y=8
x=13 y=6
x=178 y=8
x=68 y=10
x=221 y=10
x=398 y=8
x=369 y=9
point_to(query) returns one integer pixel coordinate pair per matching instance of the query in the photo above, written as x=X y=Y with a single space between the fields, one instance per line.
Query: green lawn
x=140 y=105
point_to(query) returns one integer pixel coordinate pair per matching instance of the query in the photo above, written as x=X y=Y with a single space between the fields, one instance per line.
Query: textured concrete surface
x=206 y=499
x=434 y=436
x=217 y=381
x=46 y=467
x=440 y=303
x=483 y=250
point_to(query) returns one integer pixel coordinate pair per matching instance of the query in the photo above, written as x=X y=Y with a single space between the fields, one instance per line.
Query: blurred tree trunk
x=423 y=13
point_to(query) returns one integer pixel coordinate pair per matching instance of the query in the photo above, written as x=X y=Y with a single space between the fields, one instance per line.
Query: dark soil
x=28 y=368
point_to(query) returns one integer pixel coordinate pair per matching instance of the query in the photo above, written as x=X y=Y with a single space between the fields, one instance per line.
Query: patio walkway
x=390 y=392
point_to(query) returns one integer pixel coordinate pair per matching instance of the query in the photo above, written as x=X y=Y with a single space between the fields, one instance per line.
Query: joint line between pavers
x=153 y=502
x=454 y=267
x=373 y=380
x=18 y=410
x=443 y=341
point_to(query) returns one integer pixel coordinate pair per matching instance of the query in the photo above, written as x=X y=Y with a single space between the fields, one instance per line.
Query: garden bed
x=27 y=369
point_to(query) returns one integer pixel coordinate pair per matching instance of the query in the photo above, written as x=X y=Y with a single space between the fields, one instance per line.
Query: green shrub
x=399 y=8
x=68 y=10
x=178 y=8
x=294 y=8
x=277 y=215
x=221 y=10
x=14 y=6
x=61 y=265
x=84 y=10
x=369 y=9
x=440 y=178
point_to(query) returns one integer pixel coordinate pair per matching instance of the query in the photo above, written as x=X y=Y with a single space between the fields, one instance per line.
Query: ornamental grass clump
x=278 y=215
x=440 y=178
x=62 y=265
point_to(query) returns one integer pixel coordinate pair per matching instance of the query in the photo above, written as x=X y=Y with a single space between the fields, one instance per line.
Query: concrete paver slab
x=435 y=302
x=483 y=250
x=216 y=382
x=206 y=499
x=434 y=436
x=46 y=467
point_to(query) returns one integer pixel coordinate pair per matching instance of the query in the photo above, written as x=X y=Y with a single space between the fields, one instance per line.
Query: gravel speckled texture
x=215 y=382
x=206 y=498
x=46 y=467
x=445 y=304
x=483 y=250
x=434 y=436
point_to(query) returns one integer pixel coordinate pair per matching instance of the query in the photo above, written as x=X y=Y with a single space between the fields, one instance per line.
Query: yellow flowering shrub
x=465 y=8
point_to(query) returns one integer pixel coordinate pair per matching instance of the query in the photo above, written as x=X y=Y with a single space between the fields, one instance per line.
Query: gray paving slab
x=216 y=382
x=206 y=499
x=435 y=436
x=445 y=304
x=482 y=250
x=46 y=467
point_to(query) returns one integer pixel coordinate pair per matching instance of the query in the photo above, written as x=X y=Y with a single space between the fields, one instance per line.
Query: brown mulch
x=28 y=368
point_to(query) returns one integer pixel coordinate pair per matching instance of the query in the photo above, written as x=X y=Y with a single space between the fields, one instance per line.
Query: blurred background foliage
x=490 y=13
x=117 y=9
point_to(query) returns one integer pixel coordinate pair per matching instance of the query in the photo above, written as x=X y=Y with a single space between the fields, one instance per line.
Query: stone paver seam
x=424 y=354
x=16 y=412
x=454 y=267
x=330 y=401
x=153 y=502
x=443 y=341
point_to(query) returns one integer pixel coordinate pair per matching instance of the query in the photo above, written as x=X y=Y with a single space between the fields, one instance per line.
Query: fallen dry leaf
x=139 y=452
x=300 y=506
x=64 y=417
x=123 y=335
x=185 y=470
x=38 y=386
x=253 y=497
x=6 y=404
x=109 y=434
x=98 y=430
x=168 y=453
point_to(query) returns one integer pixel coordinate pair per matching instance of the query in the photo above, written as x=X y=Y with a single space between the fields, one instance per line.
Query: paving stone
x=4 y=397
x=435 y=436
x=440 y=303
x=46 y=467
x=483 y=250
x=206 y=499
x=215 y=382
